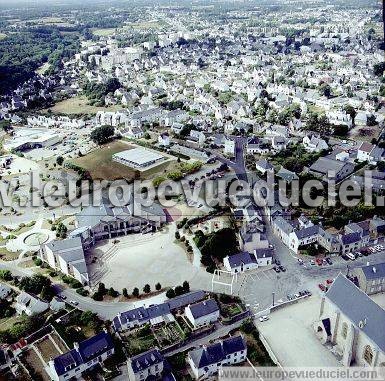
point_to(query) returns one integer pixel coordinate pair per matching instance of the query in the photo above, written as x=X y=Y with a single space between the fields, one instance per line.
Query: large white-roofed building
x=138 y=158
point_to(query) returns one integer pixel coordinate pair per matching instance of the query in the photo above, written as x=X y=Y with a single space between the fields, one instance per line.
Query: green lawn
x=100 y=165
x=79 y=105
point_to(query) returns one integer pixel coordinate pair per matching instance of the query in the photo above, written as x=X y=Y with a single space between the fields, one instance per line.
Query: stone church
x=352 y=325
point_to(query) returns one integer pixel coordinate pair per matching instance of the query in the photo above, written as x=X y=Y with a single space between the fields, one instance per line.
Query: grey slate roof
x=357 y=306
x=379 y=271
x=217 y=352
x=146 y=360
x=238 y=259
x=203 y=308
x=307 y=232
x=350 y=238
x=65 y=244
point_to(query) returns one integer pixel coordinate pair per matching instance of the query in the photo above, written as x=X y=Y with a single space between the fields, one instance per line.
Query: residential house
x=202 y=313
x=164 y=139
x=314 y=144
x=155 y=314
x=148 y=365
x=5 y=291
x=264 y=166
x=30 y=304
x=371 y=278
x=86 y=355
x=330 y=169
x=206 y=361
x=229 y=148
x=241 y=262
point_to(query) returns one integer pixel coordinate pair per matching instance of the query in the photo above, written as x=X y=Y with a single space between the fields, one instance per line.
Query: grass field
x=79 y=105
x=103 y=32
x=147 y=25
x=100 y=165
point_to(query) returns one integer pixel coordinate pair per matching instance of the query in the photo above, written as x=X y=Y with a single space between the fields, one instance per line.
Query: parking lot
x=289 y=330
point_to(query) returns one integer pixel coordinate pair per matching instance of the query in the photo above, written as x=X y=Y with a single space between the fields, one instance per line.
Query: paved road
x=220 y=332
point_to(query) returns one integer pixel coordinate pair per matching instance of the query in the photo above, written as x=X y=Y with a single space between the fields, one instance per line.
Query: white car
x=263 y=318
x=74 y=302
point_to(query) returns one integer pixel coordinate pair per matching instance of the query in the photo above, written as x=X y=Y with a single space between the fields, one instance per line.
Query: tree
x=147 y=289
x=371 y=121
x=34 y=284
x=351 y=111
x=60 y=160
x=325 y=90
x=112 y=292
x=61 y=230
x=47 y=293
x=6 y=275
x=179 y=290
x=125 y=292
x=186 y=286
x=102 y=134
x=170 y=293
x=158 y=286
x=135 y=292
x=102 y=288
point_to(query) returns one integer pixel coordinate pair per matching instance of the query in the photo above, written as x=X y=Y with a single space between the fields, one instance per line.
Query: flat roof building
x=137 y=158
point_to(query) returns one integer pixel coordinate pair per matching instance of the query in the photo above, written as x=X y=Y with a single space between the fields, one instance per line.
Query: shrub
x=170 y=293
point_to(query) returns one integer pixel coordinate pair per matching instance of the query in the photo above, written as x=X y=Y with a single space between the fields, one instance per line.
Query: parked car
x=322 y=287
x=319 y=261
x=276 y=269
x=329 y=281
x=263 y=318
x=282 y=268
x=73 y=302
x=278 y=262
x=312 y=262
x=329 y=261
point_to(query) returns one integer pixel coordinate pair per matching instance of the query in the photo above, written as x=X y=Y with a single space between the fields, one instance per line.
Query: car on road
x=351 y=256
x=263 y=318
x=300 y=261
x=63 y=297
x=73 y=302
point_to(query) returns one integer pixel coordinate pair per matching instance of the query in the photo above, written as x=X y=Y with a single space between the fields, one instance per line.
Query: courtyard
x=137 y=260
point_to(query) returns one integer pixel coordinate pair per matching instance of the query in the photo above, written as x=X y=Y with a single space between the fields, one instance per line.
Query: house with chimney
x=207 y=360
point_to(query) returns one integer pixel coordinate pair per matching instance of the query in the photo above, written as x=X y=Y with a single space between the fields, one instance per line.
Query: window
x=368 y=354
x=344 y=330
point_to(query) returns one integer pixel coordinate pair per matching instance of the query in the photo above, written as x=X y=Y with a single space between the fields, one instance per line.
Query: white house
x=4 y=291
x=202 y=313
x=229 y=148
x=146 y=365
x=206 y=361
x=314 y=144
x=30 y=304
x=164 y=139
x=85 y=355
